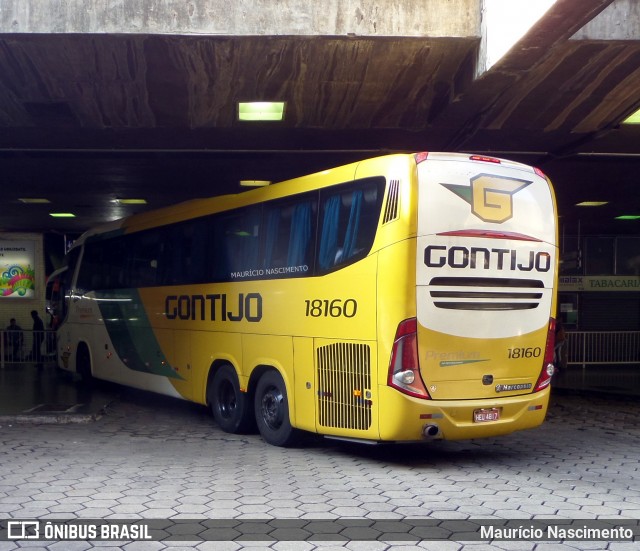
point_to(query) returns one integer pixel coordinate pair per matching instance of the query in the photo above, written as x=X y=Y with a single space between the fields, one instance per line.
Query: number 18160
x=335 y=308
x=531 y=352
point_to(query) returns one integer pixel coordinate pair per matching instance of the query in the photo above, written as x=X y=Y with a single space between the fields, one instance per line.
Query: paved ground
x=150 y=457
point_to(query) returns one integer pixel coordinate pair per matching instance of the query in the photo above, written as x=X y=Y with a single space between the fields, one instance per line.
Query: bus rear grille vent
x=391 y=208
x=344 y=386
x=483 y=293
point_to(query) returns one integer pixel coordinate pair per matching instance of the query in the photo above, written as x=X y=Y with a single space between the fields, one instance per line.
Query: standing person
x=38 y=337
x=13 y=340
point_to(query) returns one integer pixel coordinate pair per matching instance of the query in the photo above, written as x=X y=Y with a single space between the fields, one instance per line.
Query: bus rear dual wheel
x=234 y=411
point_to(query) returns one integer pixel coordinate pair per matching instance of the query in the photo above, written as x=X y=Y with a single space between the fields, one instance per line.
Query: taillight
x=547 y=365
x=404 y=369
x=419 y=157
x=485 y=159
x=540 y=173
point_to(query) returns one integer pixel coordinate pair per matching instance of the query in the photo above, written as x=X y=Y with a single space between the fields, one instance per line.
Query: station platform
x=47 y=394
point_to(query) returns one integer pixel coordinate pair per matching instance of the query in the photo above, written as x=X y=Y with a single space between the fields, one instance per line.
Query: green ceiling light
x=628 y=217
x=634 y=118
x=62 y=214
x=261 y=111
x=591 y=203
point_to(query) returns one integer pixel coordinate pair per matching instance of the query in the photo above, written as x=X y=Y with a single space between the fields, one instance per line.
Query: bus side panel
x=396 y=302
x=180 y=360
x=347 y=396
x=273 y=351
x=303 y=404
x=207 y=348
x=108 y=365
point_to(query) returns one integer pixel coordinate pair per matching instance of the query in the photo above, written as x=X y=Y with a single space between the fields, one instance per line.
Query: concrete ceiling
x=87 y=117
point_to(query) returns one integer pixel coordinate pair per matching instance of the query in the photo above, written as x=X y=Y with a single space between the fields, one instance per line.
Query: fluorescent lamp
x=254 y=183
x=628 y=217
x=33 y=200
x=62 y=214
x=591 y=203
x=130 y=201
x=634 y=118
x=261 y=111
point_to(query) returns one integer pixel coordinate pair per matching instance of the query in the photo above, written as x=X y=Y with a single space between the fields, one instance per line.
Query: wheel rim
x=273 y=407
x=226 y=400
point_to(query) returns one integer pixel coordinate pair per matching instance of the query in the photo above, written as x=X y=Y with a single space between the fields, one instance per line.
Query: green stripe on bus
x=131 y=334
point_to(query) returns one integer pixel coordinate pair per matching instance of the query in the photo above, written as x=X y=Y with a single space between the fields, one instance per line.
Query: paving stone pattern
x=151 y=457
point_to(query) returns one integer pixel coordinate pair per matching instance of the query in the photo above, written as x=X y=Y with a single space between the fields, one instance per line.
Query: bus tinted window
x=253 y=242
x=184 y=257
x=348 y=221
x=236 y=242
x=89 y=276
x=103 y=265
x=289 y=229
x=144 y=252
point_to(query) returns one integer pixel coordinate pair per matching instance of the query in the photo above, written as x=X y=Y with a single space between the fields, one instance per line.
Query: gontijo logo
x=490 y=196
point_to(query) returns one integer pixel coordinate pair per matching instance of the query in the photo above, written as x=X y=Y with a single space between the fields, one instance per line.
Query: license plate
x=485 y=415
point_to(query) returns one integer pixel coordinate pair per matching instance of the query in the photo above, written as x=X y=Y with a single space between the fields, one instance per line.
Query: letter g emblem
x=492 y=197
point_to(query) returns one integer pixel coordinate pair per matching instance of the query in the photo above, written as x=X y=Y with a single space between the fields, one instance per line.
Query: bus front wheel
x=231 y=408
x=272 y=411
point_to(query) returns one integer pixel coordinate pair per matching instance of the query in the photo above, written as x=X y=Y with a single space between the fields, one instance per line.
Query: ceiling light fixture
x=628 y=217
x=33 y=200
x=592 y=203
x=261 y=110
x=634 y=118
x=118 y=201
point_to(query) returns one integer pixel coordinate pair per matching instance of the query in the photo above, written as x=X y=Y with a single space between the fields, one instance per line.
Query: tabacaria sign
x=599 y=283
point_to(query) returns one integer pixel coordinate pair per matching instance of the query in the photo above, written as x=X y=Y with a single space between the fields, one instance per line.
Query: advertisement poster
x=17 y=276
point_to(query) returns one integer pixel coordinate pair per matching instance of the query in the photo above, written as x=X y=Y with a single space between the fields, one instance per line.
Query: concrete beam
x=475 y=107
x=432 y=18
x=619 y=21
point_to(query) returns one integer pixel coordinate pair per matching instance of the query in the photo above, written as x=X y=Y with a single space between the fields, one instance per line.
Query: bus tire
x=272 y=411
x=231 y=408
x=83 y=364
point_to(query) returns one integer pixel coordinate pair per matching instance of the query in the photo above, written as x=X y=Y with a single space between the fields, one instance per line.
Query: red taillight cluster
x=422 y=156
x=540 y=173
x=404 y=369
x=485 y=159
x=547 y=365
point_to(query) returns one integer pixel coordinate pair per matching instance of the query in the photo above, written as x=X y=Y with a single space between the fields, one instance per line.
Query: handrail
x=602 y=347
x=27 y=347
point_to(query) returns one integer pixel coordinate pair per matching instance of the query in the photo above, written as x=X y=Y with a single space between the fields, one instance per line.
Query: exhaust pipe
x=431 y=431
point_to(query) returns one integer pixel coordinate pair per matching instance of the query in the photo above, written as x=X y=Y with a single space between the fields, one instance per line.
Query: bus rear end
x=477 y=359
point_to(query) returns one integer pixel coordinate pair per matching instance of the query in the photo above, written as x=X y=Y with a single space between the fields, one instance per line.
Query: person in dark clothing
x=38 y=337
x=13 y=340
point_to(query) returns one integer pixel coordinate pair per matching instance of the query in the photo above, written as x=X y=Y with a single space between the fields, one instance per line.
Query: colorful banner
x=17 y=274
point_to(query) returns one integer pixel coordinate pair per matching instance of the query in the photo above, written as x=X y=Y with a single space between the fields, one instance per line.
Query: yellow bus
x=403 y=298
